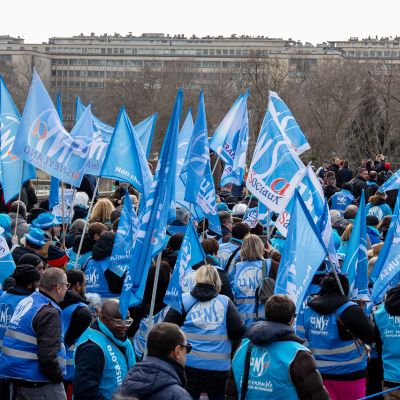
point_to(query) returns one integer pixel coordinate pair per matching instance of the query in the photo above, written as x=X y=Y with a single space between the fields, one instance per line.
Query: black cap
x=25 y=274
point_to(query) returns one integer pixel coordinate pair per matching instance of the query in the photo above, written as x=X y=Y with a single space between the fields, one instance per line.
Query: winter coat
x=80 y=213
x=156 y=379
x=346 y=175
x=22 y=225
x=360 y=184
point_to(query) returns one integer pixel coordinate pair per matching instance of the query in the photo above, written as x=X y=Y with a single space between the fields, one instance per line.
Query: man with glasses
x=103 y=355
x=33 y=352
x=162 y=373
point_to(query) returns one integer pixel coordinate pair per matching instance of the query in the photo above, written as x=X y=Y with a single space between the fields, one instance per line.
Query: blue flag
x=289 y=125
x=386 y=269
x=190 y=254
x=128 y=227
x=145 y=132
x=303 y=253
x=251 y=217
x=7 y=265
x=14 y=171
x=42 y=141
x=392 y=183
x=275 y=169
x=125 y=159
x=355 y=264
x=155 y=215
x=59 y=107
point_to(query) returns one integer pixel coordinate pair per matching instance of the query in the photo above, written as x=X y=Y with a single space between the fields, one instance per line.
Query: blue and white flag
x=275 y=169
x=14 y=171
x=43 y=142
x=145 y=132
x=155 y=215
x=355 y=264
x=264 y=216
x=125 y=159
x=251 y=217
x=7 y=265
x=290 y=127
x=324 y=226
x=125 y=238
x=303 y=253
x=191 y=253
x=392 y=183
x=387 y=267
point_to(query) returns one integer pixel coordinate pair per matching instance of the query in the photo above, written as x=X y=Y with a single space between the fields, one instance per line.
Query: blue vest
x=8 y=302
x=95 y=279
x=269 y=376
x=205 y=328
x=18 y=358
x=66 y=315
x=340 y=201
x=379 y=212
x=72 y=258
x=224 y=252
x=116 y=365
x=247 y=278
x=333 y=355
x=389 y=329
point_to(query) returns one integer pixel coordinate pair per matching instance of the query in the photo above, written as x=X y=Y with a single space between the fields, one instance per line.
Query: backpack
x=265 y=288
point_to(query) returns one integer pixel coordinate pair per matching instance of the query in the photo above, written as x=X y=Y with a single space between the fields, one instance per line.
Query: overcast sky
x=314 y=21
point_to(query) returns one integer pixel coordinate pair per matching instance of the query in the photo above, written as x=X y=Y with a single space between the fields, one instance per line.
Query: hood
x=19 y=291
x=150 y=376
x=72 y=298
x=392 y=302
x=103 y=247
x=263 y=332
x=87 y=244
x=204 y=292
x=328 y=303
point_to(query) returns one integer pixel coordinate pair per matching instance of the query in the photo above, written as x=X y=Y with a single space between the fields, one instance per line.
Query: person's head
x=252 y=248
x=335 y=215
x=116 y=214
x=373 y=175
x=166 y=340
x=35 y=239
x=81 y=200
x=77 y=280
x=57 y=257
x=114 y=226
x=77 y=226
x=227 y=187
x=240 y=230
x=21 y=208
x=258 y=229
x=329 y=174
x=372 y=221
x=102 y=211
x=182 y=215
x=326 y=164
x=175 y=242
x=347 y=233
x=210 y=246
x=225 y=218
x=26 y=276
x=95 y=230
x=350 y=212
x=363 y=173
x=239 y=210
x=54 y=283
x=336 y=161
x=280 y=308
x=111 y=317
x=329 y=284
x=348 y=186
x=207 y=274
x=331 y=181
x=34 y=260
x=345 y=164
x=387 y=166
x=377 y=198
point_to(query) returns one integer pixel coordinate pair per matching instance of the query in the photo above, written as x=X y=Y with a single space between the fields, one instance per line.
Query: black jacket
x=346 y=175
x=360 y=184
x=303 y=369
x=79 y=213
x=19 y=251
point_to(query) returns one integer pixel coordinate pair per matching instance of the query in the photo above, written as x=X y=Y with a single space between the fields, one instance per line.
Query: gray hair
x=77 y=225
x=182 y=215
x=51 y=278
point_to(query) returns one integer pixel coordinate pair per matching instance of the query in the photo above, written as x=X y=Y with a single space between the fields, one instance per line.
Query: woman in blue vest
x=377 y=206
x=336 y=330
x=249 y=273
x=210 y=322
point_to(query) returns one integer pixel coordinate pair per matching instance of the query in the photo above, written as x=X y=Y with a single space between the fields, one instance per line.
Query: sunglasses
x=120 y=322
x=187 y=346
x=68 y=285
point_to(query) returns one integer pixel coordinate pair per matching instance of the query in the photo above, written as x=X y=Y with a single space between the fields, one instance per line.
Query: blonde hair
x=377 y=197
x=252 y=248
x=347 y=233
x=209 y=275
x=102 y=211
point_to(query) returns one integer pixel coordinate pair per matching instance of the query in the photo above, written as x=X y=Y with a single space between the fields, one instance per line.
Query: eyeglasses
x=120 y=322
x=187 y=346
x=68 y=285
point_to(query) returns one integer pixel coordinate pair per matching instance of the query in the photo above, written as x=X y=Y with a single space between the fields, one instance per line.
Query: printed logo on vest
x=208 y=315
x=259 y=362
x=248 y=280
x=188 y=281
x=394 y=321
x=319 y=324
x=22 y=308
x=92 y=278
x=5 y=315
x=376 y=212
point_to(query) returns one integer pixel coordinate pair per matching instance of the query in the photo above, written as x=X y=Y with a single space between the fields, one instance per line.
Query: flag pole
x=86 y=222
x=71 y=208
x=19 y=199
x=153 y=296
x=335 y=273
x=215 y=165
x=63 y=213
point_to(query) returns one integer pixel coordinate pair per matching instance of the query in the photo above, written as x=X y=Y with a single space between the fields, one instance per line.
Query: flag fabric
x=325 y=228
x=303 y=253
x=14 y=171
x=275 y=169
x=355 y=264
x=263 y=214
x=125 y=159
x=7 y=265
x=392 y=183
x=190 y=254
x=54 y=195
x=59 y=107
x=43 y=142
x=251 y=217
x=289 y=125
x=386 y=269
x=155 y=215
x=128 y=227
x=145 y=132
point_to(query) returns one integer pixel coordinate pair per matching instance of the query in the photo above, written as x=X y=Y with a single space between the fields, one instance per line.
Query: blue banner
x=392 y=183
x=14 y=171
x=191 y=253
x=145 y=132
x=251 y=217
x=7 y=265
x=43 y=142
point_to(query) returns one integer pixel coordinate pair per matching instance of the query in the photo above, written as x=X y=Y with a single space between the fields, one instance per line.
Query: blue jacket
x=340 y=200
x=379 y=211
x=374 y=235
x=156 y=379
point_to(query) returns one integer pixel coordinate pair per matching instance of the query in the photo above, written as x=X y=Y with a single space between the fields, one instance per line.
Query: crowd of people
x=62 y=334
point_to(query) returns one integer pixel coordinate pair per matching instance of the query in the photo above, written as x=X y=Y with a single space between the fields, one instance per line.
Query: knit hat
x=387 y=166
x=25 y=274
x=5 y=223
x=329 y=284
x=223 y=207
x=29 y=258
x=372 y=220
x=36 y=236
x=45 y=220
x=57 y=257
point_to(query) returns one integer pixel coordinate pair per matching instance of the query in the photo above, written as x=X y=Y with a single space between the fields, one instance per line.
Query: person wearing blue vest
x=100 y=278
x=33 y=353
x=76 y=317
x=387 y=320
x=103 y=355
x=179 y=225
x=248 y=275
x=377 y=206
x=336 y=329
x=272 y=363
x=210 y=322
x=340 y=200
x=372 y=229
